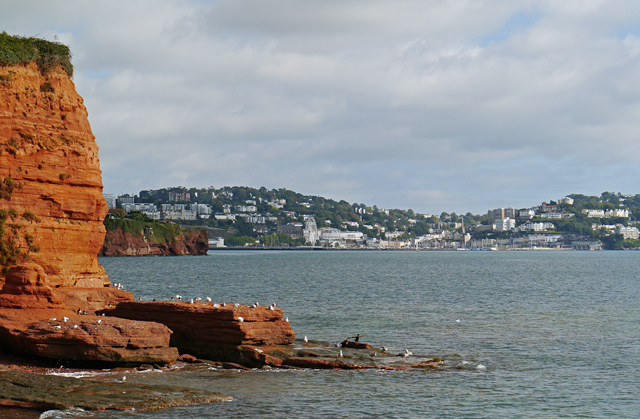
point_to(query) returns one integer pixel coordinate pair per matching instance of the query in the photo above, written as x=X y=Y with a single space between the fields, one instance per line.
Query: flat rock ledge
x=218 y=332
x=47 y=392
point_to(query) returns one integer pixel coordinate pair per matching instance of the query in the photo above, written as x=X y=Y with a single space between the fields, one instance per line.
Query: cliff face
x=120 y=243
x=50 y=180
x=51 y=229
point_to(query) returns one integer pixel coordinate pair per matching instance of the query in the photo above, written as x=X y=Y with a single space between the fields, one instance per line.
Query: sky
x=434 y=105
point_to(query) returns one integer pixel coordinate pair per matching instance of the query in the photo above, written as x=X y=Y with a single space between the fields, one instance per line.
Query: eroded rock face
x=216 y=333
x=119 y=243
x=26 y=286
x=51 y=179
x=35 y=321
x=51 y=229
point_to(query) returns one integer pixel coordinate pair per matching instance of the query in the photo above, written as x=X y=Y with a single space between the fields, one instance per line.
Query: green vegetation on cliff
x=140 y=225
x=16 y=50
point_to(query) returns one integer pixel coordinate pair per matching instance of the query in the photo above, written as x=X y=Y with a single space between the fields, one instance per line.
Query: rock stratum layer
x=51 y=179
x=223 y=333
x=51 y=229
x=120 y=243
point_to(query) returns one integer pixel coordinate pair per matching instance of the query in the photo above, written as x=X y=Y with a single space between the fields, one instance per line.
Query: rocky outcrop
x=221 y=333
x=51 y=187
x=36 y=321
x=47 y=392
x=120 y=243
x=51 y=229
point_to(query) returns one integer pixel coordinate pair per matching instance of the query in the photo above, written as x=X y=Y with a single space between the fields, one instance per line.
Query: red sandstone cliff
x=51 y=176
x=120 y=243
x=51 y=229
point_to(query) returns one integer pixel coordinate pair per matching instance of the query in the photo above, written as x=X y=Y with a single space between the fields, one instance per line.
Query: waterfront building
x=111 y=200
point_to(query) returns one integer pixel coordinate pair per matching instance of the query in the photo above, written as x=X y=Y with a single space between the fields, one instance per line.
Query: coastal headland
x=57 y=305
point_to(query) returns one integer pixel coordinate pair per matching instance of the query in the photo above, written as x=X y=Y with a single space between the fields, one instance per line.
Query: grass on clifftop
x=16 y=50
x=140 y=225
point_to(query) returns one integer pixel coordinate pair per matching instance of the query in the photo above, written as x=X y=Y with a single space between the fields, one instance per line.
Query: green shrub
x=16 y=50
x=46 y=87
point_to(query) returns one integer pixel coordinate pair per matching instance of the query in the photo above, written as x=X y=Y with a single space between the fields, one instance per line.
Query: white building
x=628 y=232
x=505 y=224
x=202 y=210
x=618 y=212
x=333 y=234
x=111 y=200
x=246 y=208
x=536 y=226
x=565 y=200
x=593 y=213
x=148 y=209
x=217 y=242
x=527 y=214
x=177 y=212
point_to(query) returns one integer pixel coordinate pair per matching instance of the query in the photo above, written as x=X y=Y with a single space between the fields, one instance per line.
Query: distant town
x=277 y=218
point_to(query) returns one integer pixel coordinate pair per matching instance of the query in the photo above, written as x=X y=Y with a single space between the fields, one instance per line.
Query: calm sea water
x=558 y=332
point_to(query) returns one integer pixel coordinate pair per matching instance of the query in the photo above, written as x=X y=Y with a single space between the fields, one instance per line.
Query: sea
x=525 y=334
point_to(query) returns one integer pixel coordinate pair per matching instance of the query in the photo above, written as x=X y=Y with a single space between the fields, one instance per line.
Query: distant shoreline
x=317 y=248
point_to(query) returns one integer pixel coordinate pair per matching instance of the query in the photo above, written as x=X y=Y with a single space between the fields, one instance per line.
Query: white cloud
x=436 y=106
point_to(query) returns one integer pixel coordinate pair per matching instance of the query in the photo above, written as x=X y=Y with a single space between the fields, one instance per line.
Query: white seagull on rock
x=305 y=340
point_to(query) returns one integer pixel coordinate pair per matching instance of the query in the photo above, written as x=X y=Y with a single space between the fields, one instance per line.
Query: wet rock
x=46 y=392
x=315 y=363
x=190 y=359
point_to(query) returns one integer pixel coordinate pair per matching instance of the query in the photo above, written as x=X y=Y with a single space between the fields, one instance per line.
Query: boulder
x=214 y=333
x=34 y=321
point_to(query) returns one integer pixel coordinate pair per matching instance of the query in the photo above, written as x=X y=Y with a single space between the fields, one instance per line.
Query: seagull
x=102 y=314
x=258 y=350
x=286 y=319
x=481 y=367
x=53 y=319
x=340 y=354
x=209 y=299
x=374 y=354
x=191 y=301
x=216 y=305
x=305 y=340
x=240 y=319
x=384 y=348
x=272 y=308
x=197 y=299
x=75 y=326
x=65 y=319
x=99 y=321
x=57 y=326
x=236 y=305
x=457 y=320
x=123 y=379
x=407 y=353
x=256 y=303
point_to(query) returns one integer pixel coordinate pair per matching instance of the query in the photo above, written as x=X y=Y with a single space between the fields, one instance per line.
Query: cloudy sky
x=434 y=105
